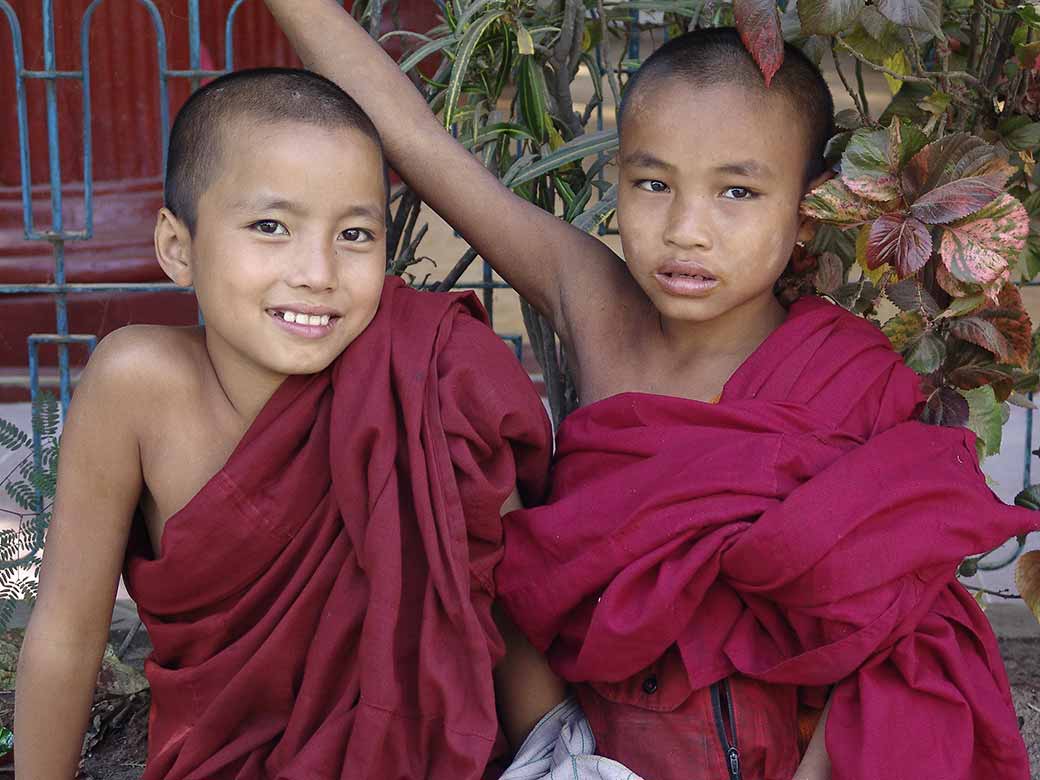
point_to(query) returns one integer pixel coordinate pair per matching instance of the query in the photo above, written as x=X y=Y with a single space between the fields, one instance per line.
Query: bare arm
x=525 y=686
x=526 y=245
x=816 y=764
x=99 y=482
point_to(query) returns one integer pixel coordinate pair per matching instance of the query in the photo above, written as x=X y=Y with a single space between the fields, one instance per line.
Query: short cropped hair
x=263 y=95
x=716 y=56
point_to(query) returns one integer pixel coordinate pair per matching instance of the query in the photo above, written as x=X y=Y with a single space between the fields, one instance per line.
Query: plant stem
x=929 y=77
x=862 y=88
x=848 y=88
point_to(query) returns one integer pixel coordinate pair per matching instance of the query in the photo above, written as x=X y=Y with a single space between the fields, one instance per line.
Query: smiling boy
x=744 y=511
x=305 y=492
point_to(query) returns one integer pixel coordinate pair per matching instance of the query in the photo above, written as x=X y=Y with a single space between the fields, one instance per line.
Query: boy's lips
x=687 y=279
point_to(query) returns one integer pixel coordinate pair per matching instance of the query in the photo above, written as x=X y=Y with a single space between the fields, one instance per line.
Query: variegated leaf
x=954 y=157
x=835 y=203
x=981 y=249
x=904 y=329
x=1011 y=319
x=901 y=241
x=866 y=168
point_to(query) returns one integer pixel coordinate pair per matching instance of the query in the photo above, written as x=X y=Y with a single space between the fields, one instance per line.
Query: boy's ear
x=806 y=227
x=173 y=247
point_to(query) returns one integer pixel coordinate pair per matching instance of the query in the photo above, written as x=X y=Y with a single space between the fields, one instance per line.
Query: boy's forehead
x=728 y=120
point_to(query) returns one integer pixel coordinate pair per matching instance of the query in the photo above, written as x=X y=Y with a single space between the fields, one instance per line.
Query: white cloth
x=561 y=747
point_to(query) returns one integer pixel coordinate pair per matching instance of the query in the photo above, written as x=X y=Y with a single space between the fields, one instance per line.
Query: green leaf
x=1023 y=137
x=468 y=46
x=980 y=249
x=12 y=437
x=865 y=166
x=986 y=419
x=1029 y=498
x=604 y=142
x=425 y=51
x=592 y=218
x=532 y=97
x=926 y=354
x=904 y=329
x=827 y=17
x=961 y=306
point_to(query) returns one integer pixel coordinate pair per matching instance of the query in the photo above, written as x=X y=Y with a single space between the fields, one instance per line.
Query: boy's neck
x=244 y=387
x=729 y=338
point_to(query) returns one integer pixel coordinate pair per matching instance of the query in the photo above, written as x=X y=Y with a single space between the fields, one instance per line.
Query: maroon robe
x=321 y=608
x=802 y=532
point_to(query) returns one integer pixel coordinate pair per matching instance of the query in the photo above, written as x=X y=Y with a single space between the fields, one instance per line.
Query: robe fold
x=805 y=531
x=321 y=608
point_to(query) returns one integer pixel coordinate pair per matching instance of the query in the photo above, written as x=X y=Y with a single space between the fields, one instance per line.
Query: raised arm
x=99 y=481
x=564 y=273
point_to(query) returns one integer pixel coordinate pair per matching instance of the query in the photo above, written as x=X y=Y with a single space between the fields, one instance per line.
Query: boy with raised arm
x=306 y=492
x=744 y=512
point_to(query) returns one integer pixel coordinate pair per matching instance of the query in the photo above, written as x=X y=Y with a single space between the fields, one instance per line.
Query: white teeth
x=304 y=319
x=290 y=316
x=315 y=319
x=324 y=319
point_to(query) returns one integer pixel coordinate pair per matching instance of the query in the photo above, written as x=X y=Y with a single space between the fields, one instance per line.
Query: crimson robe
x=804 y=531
x=321 y=608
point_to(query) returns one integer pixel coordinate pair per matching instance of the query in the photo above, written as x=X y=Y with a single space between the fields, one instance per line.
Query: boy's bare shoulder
x=142 y=364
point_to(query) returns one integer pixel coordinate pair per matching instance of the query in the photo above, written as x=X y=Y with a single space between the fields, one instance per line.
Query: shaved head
x=260 y=96
x=715 y=57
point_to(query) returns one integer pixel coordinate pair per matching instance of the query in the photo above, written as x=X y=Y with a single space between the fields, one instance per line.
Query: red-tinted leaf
x=946 y=407
x=904 y=141
x=1010 y=318
x=866 y=168
x=758 y=22
x=901 y=241
x=954 y=201
x=827 y=17
x=909 y=295
x=918 y=14
x=835 y=203
x=951 y=158
x=981 y=249
x=972 y=376
x=830 y=273
x=983 y=333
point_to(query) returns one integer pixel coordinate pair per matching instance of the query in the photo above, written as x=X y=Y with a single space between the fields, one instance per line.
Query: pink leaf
x=980 y=249
x=901 y=241
x=954 y=201
x=758 y=22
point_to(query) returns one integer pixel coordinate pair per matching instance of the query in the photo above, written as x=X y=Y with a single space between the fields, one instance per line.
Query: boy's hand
x=570 y=277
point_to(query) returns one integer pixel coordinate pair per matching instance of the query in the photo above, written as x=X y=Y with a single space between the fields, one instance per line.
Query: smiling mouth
x=299 y=318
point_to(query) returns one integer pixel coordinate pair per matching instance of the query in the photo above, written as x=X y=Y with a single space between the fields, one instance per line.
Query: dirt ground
x=120 y=724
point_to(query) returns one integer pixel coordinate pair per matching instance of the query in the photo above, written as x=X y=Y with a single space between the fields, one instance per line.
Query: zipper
x=726 y=724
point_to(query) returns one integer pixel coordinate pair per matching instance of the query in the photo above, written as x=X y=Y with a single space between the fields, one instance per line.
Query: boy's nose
x=688 y=226
x=314 y=267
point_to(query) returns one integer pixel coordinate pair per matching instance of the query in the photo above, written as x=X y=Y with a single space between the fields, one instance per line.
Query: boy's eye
x=356 y=235
x=270 y=227
x=652 y=185
x=738 y=193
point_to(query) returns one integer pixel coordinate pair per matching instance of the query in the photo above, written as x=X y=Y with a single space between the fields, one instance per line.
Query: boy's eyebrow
x=643 y=159
x=281 y=204
x=745 y=168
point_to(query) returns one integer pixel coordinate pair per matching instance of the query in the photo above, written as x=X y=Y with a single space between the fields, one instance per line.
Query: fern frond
x=12 y=437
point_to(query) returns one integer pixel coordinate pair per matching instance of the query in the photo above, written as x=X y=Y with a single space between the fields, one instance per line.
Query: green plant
x=31 y=486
